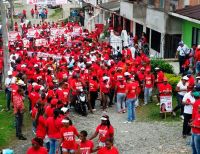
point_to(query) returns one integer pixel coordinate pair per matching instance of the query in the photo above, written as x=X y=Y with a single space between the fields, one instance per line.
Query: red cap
x=54 y=101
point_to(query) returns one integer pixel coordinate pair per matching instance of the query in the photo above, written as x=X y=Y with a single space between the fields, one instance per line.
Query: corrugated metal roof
x=190 y=11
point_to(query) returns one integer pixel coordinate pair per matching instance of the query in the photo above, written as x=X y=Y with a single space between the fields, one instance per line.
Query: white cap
x=198 y=47
x=21 y=83
x=185 y=78
x=50 y=68
x=34 y=84
x=104 y=118
x=127 y=74
x=23 y=65
x=157 y=68
x=105 y=78
x=198 y=77
x=36 y=65
x=65 y=121
x=41 y=88
x=64 y=109
x=9 y=72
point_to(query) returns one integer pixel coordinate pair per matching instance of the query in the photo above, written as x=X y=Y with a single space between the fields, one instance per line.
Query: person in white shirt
x=181 y=53
x=181 y=89
x=188 y=101
x=8 y=89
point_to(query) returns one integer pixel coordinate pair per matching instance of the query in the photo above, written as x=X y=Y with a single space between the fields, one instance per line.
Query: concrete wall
x=126 y=10
x=174 y=25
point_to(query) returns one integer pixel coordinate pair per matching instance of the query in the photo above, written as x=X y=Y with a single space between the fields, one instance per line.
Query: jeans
x=53 y=145
x=195 y=143
x=121 y=101
x=111 y=96
x=18 y=123
x=186 y=127
x=8 y=99
x=179 y=104
x=131 y=109
x=147 y=94
x=93 y=97
x=197 y=67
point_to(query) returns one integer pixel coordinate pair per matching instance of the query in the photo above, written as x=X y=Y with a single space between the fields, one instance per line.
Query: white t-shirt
x=188 y=108
x=182 y=87
x=182 y=50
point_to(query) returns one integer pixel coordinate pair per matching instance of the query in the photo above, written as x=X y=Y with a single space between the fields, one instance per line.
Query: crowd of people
x=54 y=75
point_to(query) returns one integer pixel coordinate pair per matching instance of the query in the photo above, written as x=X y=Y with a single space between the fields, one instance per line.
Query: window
x=195 y=36
x=155 y=40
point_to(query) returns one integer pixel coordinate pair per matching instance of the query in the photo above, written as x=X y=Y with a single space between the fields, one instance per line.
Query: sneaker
x=144 y=104
x=182 y=117
x=174 y=113
x=158 y=104
x=125 y=122
x=94 y=110
x=129 y=122
x=184 y=136
x=22 y=137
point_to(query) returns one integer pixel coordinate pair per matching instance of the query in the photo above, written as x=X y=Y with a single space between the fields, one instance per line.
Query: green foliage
x=163 y=65
x=173 y=80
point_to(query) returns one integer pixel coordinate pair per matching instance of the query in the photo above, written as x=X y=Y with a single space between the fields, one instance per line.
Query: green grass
x=57 y=13
x=7 y=128
x=18 y=5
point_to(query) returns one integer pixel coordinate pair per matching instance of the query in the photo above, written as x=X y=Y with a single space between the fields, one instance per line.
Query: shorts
x=68 y=150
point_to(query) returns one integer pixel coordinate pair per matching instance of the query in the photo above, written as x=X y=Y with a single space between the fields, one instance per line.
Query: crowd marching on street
x=69 y=70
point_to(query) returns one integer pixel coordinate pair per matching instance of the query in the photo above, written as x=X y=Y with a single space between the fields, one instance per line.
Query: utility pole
x=5 y=38
x=11 y=13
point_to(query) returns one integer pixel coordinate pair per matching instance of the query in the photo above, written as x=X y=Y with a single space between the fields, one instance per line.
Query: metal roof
x=190 y=11
x=113 y=5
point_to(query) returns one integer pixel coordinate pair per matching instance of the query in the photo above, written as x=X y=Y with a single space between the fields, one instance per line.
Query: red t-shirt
x=105 y=150
x=104 y=132
x=195 y=108
x=41 y=127
x=93 y=85
x=86 y=147
x=163 y=88
x=196 y=122
x=104 y=87
x=53 y=127
x=68 y=135
x=149 y=78
x=121 y=87
x=49 y=111
x=131 y=90
x=34 y=97
x=41 y=150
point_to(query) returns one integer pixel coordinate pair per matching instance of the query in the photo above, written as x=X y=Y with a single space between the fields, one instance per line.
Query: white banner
x=12 y=36
x=41 y=2
x=26 y=43
x=165 y=104
x=41 y=42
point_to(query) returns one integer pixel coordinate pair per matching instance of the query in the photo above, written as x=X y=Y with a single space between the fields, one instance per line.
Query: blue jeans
x=197 y=67
x=147 y=94
x=121 y=101
x=131 y=109
x=195 y=143
x=53 y=145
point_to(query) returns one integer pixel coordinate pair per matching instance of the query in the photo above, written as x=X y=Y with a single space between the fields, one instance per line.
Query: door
x=138 y=30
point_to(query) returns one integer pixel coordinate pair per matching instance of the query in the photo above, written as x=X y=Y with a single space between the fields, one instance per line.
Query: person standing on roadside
x=8 y=89
x=18 y=104
x=32 y=13
x=181 y=53
x=24 y=14
x=109 y=148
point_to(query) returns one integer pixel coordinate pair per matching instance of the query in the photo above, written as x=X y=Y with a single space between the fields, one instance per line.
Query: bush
x=163 y=65
x=173 y=80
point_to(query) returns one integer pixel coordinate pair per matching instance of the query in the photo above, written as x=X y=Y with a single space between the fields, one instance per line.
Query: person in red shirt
x=191 y=81
x=120 y=92
x=68 y=134
x=85 y=146
x=109 y=148
x=195 y=125
x=37 y=147
x=32 y=13
x=24 y=14
x=148 y=85
x=165 y=89
x=104 y=91
x=18 y=104
x=40 y=122
x=105 y=130
x=131 y=97
x=93 y=91
x=34 y=96
x=53 y=125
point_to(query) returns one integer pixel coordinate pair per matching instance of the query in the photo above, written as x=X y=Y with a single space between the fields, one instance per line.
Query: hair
x=84 y=133
x=38 y=140
x=107 y=121
x=111 y=140
x=70 y=121
x=56 y=113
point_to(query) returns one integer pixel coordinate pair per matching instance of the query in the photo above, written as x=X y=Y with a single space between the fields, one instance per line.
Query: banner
x=41 y=42
x=54 y=31
x=12 y=36
x=40 y=2
x=26 y=43
x=31 y=32
x=77 y=29
x=165 y=104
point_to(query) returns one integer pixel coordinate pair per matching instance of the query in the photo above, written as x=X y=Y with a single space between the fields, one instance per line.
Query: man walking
x=8 y=90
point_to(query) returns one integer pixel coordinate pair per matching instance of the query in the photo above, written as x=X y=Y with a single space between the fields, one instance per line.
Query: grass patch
x=151 y=112
x=7 y=121
x=57 y=13
x=18 y=5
